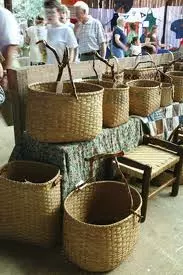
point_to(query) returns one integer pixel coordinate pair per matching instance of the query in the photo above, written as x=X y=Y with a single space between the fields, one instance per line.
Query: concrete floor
x=159 y=250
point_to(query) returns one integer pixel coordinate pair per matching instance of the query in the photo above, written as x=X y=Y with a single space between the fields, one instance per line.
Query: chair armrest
x=162 y=143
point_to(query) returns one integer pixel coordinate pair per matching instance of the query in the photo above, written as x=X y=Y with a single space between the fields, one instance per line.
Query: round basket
x=30 y=202
x=177 y=79
x=145 y=96
x=167 y=94
x=115 y=103
x=60 y=117
x=99 y=229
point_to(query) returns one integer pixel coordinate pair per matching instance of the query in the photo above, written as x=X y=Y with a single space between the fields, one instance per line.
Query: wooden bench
x=149 y=160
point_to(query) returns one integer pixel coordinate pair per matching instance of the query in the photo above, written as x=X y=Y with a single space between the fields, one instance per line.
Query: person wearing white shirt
x=65 y=16
x=135 y=48
x=59 y=35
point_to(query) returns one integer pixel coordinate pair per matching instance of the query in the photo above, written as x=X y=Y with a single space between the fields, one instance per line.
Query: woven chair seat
x=160 y=160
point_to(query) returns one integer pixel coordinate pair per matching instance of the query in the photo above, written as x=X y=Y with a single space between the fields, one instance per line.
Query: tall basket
x=30 y=201
x=177 y=79
x=100 y=227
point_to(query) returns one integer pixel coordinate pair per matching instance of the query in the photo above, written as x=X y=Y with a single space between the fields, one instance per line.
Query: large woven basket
x=177 y=78
x=115 y=103
x=60 y=117
x=142 y=72
x=118 y=75
x=145 y=96
x=167 y=94
x=30 y=199
x=99 y=230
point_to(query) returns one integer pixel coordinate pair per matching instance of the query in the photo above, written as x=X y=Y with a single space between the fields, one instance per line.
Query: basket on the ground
x=30 y=199
x=142 y=72
x=61 y=117
x=145 y=96
x=100 y=231
x=115 y=103
x=167 y=94
x=118 y=75
x=177 y=79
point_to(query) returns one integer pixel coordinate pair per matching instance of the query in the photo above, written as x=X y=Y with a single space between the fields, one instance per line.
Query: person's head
x=154 y=29
x=39 y=20
x=52 y=11
x=64 y=14
x=120 y=22
x=135 y=41
x=145 y=30
x=132 y=27
x=123 y=6
x=82 y=11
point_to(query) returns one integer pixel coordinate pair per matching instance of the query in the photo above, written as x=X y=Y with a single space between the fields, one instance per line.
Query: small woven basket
x=60 y=117
x=115 y=103
x=145 y=96
x=118 y=75
x=167 y=94
x=30 y=200
x=177 y=79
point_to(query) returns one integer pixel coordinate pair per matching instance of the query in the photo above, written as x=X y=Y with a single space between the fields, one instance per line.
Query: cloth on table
x=70 y=157
x=162 y=122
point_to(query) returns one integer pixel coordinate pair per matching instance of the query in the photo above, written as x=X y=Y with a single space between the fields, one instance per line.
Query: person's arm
x=9 y=55
x=72 y=54
x=119 y=43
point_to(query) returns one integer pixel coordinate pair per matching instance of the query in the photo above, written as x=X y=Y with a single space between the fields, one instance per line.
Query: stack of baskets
x=30 y=201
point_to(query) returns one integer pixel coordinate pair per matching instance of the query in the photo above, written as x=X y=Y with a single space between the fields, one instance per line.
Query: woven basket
x=177 y=78
x=115 y=103
x=142 y=73
x=60 y=117
x=179 y=66
x=30 y=200
x=145 y=96
x=118 y=75
x=167 y=94
x=169 y=66
x=99 y=230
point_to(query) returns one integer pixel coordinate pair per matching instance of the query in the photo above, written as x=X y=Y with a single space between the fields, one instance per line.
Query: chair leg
x=177 y=175
x=145 y=191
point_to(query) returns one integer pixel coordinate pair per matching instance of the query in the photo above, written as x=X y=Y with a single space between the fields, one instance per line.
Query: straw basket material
x=142 y=72
x=179 y=66
x=60 y=117
x=115 y=103
x=145 y=96
x=99 y=229
x=177 y=78
x=30 y=200
x=169 y=66
x=118 y=75
x=167 y=94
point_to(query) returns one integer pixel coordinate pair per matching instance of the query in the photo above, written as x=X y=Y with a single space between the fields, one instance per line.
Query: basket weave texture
x=60 y=117
x=30 y=200
x=99 y=230
x=141 y=73
x=177 y=78
x=179 y=66
x=145 y=96
x=119 y=77
x=115 y=103
x=167 y=94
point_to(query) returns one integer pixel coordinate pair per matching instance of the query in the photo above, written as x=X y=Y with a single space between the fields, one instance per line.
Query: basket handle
x=144 y=62
x=62 y=65
x=106 y=62
x=140 y=54
x=117 y=66
x=114 y=156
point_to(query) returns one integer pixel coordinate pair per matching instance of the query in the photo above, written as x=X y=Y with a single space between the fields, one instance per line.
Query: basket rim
x=141 y=69
x=172 y=74
x=145 y=81
x=125 y=86
x=101 y=89
x=42 y=184
x=106 y=225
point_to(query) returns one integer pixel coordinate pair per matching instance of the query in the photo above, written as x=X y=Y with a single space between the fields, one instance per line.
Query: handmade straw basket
x=169 y=65
x=167 y=94
x=115 y=103
x=179 y=66
x=142 y=72
x=118 y=75
x=30 y=199
x=61 y=117
x=99 y=229
x=177 y=79
x=145 y=96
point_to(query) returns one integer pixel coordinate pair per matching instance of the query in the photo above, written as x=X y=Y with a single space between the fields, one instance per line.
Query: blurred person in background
x=119 y=40
x=136 y=48
x=59 y=35
x=65 y=16
x=33 y=35
x=132 y=33
x=89 y=33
